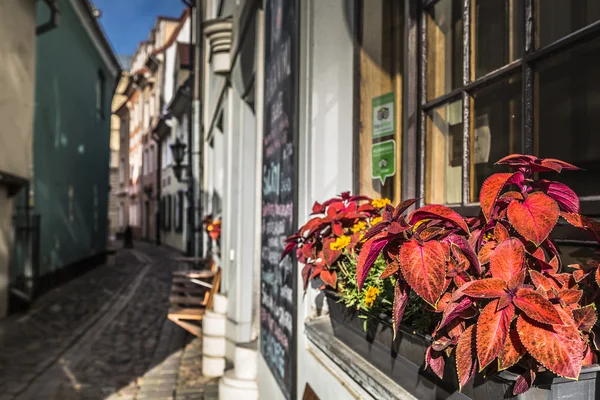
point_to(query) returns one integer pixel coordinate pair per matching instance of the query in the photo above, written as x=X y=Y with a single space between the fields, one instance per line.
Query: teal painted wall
x=71 y=143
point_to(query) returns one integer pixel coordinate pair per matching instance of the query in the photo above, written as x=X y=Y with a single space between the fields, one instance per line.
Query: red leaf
x=329 y=277
x=368 y=254
x=400 y=301
x=490 y=190
x=424 y=269
x=507 y=259
x=305 y=274
x=390 y=270
x=589 y=357
x=403 y=206
x=535 y=218
x=566 y=198
x=524 y=382
x=557 y=165
x=570 y=296
x=539 y=280
x=436 y=211
x=288 y=249
x=486 y=252
x=511 y=352
x=501 y=233
x=558 y=348
x=598 y=276
x=317 y=208
x=490 y=288
x=453 y=310
x=466 y=357
x=467 y=249
x=436 y=361
x=330 y=256
x=585 y=317
x=492 y=330
x=536 y=307
x=580 y=221
x=517 y=160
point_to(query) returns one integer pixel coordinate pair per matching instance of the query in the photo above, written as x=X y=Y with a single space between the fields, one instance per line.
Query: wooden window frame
x=415 y=105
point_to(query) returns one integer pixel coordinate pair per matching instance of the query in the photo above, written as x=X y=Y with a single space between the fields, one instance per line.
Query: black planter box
x=402 y=360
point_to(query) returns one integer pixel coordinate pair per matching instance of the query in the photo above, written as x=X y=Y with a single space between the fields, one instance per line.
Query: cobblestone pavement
x=104 y=336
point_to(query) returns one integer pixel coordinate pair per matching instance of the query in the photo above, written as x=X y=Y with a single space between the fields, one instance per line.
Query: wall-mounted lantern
x=178 y=152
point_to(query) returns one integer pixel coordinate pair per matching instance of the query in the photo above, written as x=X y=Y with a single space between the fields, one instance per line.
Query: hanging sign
x=384 y=123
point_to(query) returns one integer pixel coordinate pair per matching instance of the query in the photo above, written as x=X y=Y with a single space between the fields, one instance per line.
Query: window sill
x=320 y=333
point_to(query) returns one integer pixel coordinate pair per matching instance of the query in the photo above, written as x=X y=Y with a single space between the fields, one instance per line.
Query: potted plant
x=510 y=315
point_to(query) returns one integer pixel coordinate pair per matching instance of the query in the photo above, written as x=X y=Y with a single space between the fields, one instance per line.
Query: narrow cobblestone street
x=104 y=335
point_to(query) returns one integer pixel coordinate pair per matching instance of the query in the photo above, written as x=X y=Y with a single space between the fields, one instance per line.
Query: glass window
x=444 y=154
x=568 y=114
x=497 y=126
x=558 y=18
x=444 y=48
x=381 y=57
x=498 y=34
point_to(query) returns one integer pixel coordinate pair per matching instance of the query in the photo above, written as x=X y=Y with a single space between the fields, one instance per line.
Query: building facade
x=288 y=121
x=17 y=78
x=76 y=74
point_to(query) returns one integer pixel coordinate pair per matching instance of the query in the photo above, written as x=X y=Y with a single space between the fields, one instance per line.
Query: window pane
x=497 y=127
x=558 y=18
x=444 y=154
x=444 y=48
x=569 y=115
x=498 y=37
x=381 y=77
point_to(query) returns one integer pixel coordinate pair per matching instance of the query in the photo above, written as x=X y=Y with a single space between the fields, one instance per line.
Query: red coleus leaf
x=401 y=292
x=466 y=357
x=507 y=259
x=490 y=190
x=566 y=198
x=585 y=317
x=580 y=221
x=598 y=276
x=512 y=351
x=289 y=247
x=541 y=281
x=329 y=277
x=403 y=206
x=535 y=218
x=501 y=233
x=589 y=356
x=390 y=270
x=317 y=208
x=453 y=310
x=537 y=307
x=570 y=296
x=524 y=382
x=305 y=275
x=436 y=211
x=490 y=288
x=486 y=252
x=368 y=254
x=330 y=256
x=467 y=250
x=492 y=331
x=517 y=160
x=557 y=165
x=424 y=268
x=558 y=348
x=436 y=361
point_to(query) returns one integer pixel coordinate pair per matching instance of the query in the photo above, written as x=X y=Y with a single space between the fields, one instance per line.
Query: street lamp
x=178 y=151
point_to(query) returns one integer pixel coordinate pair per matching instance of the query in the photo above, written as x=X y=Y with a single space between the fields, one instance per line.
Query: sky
x=128 y=22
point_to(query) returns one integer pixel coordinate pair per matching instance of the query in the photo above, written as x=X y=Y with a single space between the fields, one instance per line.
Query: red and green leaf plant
x=506 y=299
x=336 y=227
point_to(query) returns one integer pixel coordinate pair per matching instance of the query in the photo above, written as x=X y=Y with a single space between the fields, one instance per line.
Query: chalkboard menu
x=278 y=277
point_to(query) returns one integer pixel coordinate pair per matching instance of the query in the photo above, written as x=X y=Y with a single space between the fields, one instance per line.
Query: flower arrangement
x=496 y=281
x=212 y=226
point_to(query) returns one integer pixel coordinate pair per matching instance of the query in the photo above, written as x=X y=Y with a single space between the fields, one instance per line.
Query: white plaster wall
x=325 y=158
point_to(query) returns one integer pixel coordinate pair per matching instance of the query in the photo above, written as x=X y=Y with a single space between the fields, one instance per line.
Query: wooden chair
x=190 y=297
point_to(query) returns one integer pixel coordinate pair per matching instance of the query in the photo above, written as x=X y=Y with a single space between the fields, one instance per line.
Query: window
x=381 y=58
x=491 y=87
x=100 y=94
x=121 y=215
x=177 y=210
x=151 y=160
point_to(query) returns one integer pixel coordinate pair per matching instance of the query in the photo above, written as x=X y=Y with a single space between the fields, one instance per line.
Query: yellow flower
x=419 y=223
x=488 y=236
x=359 y=226
x=380 y=203
x=376 y=220
x=340 y=243
x=371 y=295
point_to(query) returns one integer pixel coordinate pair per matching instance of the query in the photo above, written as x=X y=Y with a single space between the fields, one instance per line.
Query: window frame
x=415 y=106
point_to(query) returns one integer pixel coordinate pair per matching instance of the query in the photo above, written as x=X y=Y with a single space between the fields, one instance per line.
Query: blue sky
x=127 y=22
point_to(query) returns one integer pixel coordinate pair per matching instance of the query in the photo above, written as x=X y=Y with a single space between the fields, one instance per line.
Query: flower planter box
x=402 y=360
